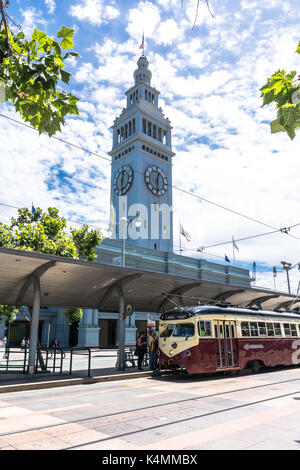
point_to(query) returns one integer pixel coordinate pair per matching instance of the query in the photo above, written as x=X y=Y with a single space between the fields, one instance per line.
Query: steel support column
x=34 y=324
x=121 y=350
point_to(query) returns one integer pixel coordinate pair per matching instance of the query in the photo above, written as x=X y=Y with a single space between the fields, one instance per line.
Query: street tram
x=210 y=338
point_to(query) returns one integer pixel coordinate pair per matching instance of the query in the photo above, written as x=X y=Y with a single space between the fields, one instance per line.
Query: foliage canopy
x=45 y=232
x=284 y=90
x=31 y=72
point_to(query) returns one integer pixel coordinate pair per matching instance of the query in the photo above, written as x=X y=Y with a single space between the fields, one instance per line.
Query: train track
x=183 y=420
x=165 y=406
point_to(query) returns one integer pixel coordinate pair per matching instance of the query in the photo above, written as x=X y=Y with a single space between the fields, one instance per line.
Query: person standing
x=153 y=346
x=141 y=348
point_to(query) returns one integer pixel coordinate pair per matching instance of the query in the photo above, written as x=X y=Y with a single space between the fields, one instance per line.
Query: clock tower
x=141 y=171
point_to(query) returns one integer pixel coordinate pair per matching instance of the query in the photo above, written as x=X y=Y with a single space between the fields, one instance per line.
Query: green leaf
x=276 y=127
x=298 y=48
x=65 y=76
x=67 y=35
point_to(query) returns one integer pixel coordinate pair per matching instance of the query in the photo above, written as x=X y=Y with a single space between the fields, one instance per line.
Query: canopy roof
x=66 y=282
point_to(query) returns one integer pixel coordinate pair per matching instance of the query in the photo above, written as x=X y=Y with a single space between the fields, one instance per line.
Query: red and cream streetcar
x=217 y=338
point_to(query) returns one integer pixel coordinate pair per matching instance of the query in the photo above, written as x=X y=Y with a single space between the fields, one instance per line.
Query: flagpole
x=179 y=240
x=233 y=251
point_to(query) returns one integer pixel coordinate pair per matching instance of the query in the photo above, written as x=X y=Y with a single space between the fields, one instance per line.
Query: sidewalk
x=102 y=370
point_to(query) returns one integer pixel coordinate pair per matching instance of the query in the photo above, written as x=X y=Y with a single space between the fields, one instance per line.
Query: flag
x=227 y=259
x=235 y=245
x=142 y=46
x=32 y=209
x=184 y=233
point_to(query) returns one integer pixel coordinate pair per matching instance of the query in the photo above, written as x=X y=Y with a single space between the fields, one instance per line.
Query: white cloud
x=94 y=11
x=145 y=17
x=51 y=5
x=32 y=19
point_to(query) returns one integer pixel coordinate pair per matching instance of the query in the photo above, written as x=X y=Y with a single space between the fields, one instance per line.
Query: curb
x=68 y=382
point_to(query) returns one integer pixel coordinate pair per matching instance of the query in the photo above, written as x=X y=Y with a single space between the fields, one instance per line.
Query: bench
x=130 y=357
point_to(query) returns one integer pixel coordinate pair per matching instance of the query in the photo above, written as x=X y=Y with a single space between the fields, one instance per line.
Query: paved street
x=243 y=412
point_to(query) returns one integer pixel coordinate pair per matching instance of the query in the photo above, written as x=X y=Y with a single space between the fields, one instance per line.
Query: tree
x=73 y=315
x=8 y=311
x=284 y=90
x=45 y=232
x=31 y=72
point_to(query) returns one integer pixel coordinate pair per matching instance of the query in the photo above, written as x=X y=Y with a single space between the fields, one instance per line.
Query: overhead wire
x=189 y=193
x=275 y=230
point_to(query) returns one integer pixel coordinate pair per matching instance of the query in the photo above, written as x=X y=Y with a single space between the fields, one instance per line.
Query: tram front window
x=167 y=332
x=184 y=330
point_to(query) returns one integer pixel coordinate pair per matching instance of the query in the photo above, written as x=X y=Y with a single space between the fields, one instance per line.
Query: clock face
x=155 y=180
x=123 y=180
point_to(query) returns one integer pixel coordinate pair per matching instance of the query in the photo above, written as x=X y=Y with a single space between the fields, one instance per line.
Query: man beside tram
x=153 y=347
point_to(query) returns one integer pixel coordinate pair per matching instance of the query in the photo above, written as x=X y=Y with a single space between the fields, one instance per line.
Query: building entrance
x=19 y=330
x=108 y=333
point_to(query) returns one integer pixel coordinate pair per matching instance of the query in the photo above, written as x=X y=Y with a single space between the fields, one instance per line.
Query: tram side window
x=270 y=329
x=278 y=329
x=253 y=329
x=204 y=328
x=184 y=329
x=262 y=329
x=287 y=329
x=245 y=328
x=167 y=332
x=293 y=330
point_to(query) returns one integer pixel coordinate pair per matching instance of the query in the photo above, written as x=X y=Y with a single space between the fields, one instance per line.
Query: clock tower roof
x=142 y=73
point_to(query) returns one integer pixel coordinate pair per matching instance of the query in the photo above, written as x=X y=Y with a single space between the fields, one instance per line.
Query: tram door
x=227 y=347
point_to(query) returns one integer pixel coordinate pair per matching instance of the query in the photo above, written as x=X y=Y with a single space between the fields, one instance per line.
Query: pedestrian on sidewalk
x=141 y=348
x=153 y=346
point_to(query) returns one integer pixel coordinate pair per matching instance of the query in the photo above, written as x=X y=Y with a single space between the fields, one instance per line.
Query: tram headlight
x=174 y=345
x=188 y=353
x=171 y=352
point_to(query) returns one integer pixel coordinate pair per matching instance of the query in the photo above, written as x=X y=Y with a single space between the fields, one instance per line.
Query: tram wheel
x=255 y=366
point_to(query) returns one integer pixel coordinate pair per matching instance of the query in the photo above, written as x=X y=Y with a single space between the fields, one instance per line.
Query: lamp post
x=287 y=266
x=121 y=336
x=124 y=222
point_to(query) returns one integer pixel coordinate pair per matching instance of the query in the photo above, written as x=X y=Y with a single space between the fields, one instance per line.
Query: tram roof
x=211 y=309
x=67 y=282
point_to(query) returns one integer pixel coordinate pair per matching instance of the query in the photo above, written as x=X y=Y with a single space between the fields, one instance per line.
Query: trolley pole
x=287 y=266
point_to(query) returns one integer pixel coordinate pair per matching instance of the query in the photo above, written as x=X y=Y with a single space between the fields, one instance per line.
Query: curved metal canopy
x=66 y=282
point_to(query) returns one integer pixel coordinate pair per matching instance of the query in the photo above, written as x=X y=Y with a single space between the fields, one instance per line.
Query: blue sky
x=209 y=78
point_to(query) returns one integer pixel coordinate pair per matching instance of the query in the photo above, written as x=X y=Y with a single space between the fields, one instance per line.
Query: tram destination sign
x=174 y=316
